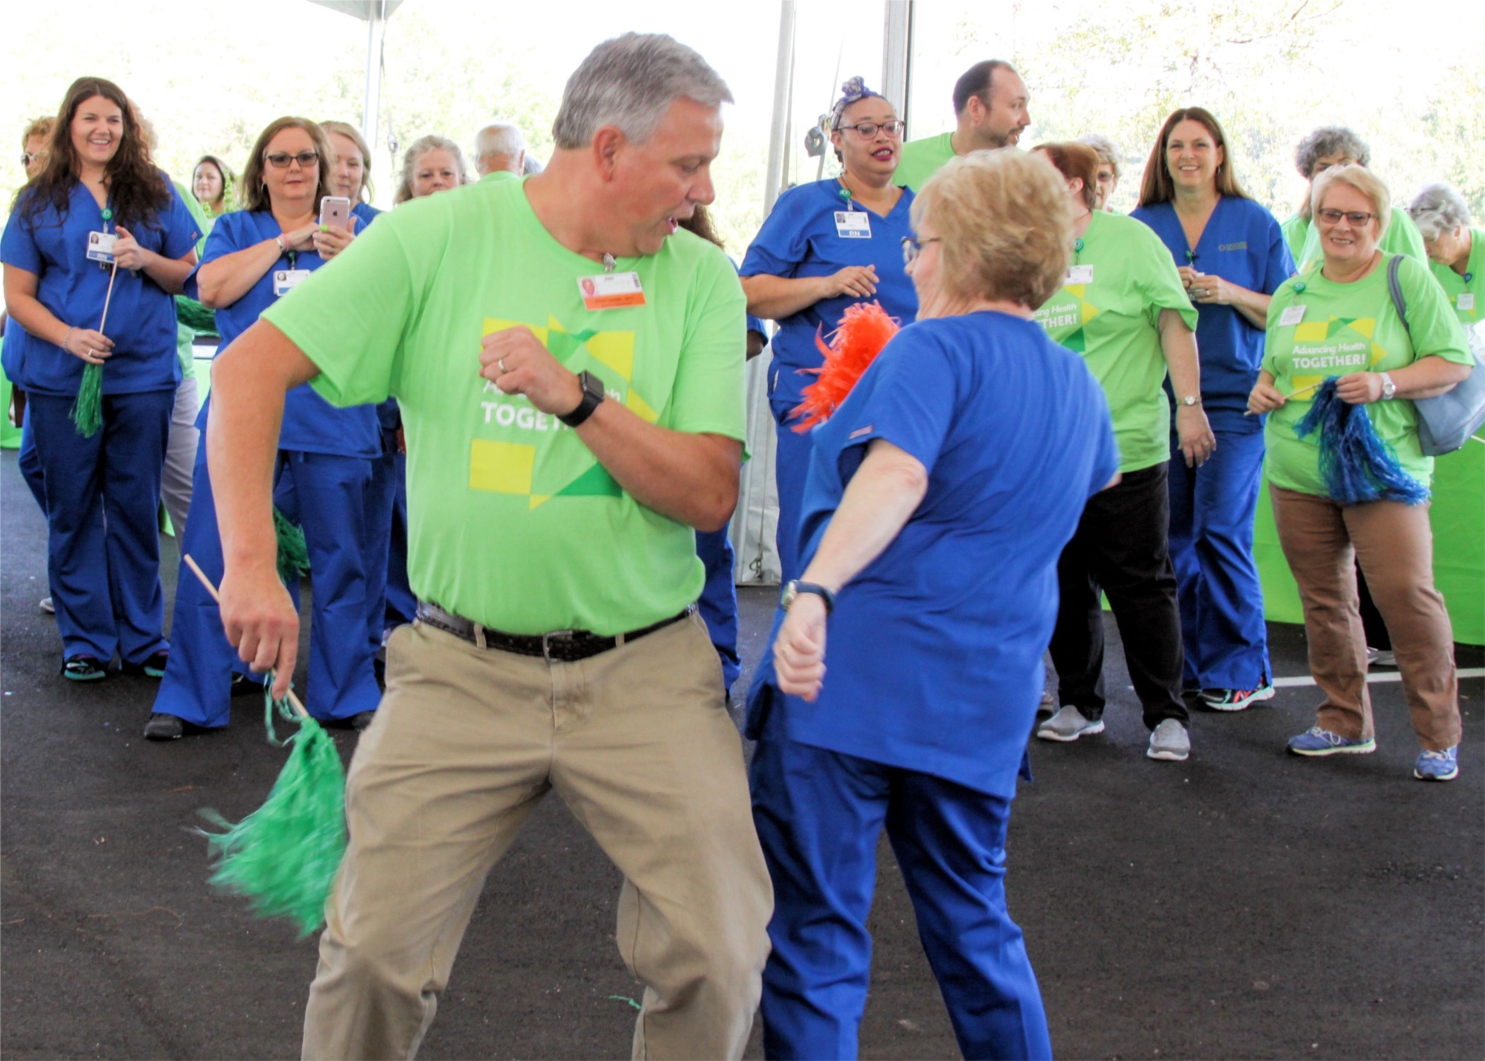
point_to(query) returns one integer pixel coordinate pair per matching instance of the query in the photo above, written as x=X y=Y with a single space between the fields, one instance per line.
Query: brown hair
x=700 y=223
x=254 y=193
x=222 y=171
x=38 y=127
x=1075 y=160
x=1005 y=226
x=137 y=190
x=1157 y=186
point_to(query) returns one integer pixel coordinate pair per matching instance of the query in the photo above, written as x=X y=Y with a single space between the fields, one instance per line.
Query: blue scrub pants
x=30 y=464
x=402 y=604
x=718 y=603
x=101 y=498
x=819 y=814
x=1211 y=544
x=791 y=466
x=381 y=502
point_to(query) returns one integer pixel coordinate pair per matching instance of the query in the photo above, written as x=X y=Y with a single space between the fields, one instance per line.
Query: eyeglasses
x=869 y=129
x=27 y=158
x=281 y=159
x=1356 y=217
x=912 y=247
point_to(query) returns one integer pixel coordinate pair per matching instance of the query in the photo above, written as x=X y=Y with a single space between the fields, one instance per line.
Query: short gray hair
x=630 y=82
x=499 y=138
x=1107 y=150
x=1330 y=140
x=420 y=147
x=1438 y=208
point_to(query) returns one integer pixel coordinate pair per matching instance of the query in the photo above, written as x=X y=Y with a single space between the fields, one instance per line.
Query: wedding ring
x=501 y=364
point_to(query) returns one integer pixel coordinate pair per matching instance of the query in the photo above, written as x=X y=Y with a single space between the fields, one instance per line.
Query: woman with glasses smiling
x=254 y=257
x=827 y=245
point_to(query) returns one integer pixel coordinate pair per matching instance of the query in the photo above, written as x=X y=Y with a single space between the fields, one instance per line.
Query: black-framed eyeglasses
x=281 y=159
x=1356 y=217
x=913 y=246
x=867 y=130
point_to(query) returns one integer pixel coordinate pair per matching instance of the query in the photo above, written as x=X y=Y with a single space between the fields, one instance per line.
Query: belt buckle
x=563 y=636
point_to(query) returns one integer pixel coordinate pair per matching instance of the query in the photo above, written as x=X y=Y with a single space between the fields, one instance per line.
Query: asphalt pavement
x=1245 y=903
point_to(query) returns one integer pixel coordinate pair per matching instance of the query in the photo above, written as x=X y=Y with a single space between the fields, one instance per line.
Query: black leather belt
x=560 y=646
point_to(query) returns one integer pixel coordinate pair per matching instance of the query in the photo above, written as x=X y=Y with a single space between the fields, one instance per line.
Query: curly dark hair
x=136 y=187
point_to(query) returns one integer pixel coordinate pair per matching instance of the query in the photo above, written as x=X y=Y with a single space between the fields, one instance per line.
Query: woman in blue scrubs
x=254 y=257
x=1232 y=257
x=939 y=498
x=100 y=210
x=826 y=246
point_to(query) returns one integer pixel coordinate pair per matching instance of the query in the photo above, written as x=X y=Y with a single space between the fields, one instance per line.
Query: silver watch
x=1190 y=399
x=1389 y=389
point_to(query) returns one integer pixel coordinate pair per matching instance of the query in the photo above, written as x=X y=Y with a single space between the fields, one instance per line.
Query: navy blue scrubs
x=802 y=238
x=100 y=494
x=324 y=472
x=933 y=678
x=26 y=459
x=1212 y=507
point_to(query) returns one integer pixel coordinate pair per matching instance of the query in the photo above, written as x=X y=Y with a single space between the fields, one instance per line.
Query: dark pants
x=718 y=603
x=1120 y=548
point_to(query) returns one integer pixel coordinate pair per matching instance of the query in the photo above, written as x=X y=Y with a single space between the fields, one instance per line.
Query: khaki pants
x=638 y=744
x=1394 y=544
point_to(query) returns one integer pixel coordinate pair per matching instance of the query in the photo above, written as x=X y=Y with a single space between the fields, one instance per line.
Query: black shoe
x=83 y=669
x=245 y=686
x=164 y=727
x=361 y=721
x=154 y=667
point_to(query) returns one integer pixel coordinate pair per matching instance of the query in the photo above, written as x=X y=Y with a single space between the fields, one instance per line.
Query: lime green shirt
x=921 y=159
x=184 y=332
x=1401 y=237
x=495 y=176
x=513 y=522
x=1349 y=328
x=1296 y=229
x=1111 y=317
x=1466 y=293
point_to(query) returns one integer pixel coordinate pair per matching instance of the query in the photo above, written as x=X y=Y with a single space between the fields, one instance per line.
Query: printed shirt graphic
x=1350 y=328
x=1471 y=309
x=513 y=522
x=1112 y=322
x=921 y=159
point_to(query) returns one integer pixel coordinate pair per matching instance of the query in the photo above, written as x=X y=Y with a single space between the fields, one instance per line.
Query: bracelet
x=279 y=241
x=67 y=338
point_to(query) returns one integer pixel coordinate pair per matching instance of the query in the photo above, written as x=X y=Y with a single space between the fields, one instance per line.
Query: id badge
x=1291 y=315
x=1079 y=274
x=853 y=224
x=610 y=291
x=286 y=280
x=100 y=246
x=1467 y=301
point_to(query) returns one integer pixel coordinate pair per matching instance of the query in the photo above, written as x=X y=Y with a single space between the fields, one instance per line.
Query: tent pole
x=897 y=52
x=376 y=24
x=777 y=147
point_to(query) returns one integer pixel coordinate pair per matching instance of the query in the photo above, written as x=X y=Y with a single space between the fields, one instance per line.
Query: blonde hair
x=1364 y=181
x=1005 y=222
x=38 y=127
x=367 y=191
x=420 y=147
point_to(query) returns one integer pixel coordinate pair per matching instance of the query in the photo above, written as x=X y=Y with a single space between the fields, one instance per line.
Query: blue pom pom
x=1355 y=463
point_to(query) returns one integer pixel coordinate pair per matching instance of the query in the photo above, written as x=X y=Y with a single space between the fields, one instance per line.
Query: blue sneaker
x=1437 y=766
x=1317 y=741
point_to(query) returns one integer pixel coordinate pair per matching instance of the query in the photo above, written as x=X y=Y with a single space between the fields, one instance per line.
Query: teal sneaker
x=1317 y=741
x=1437 y=766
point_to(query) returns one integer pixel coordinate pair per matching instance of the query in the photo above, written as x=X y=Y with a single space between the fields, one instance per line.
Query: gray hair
x=1329 y=140
x=1107 y=150
x=1437 y=209
x=499 y=138
x=420 y=147
x=630 y=82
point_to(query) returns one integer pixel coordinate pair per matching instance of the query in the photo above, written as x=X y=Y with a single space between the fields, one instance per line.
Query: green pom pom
x=293 y=550
x=87 y=411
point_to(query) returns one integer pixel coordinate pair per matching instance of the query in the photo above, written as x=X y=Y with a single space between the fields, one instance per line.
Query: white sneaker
x=47 y=606
x=1169 y=741
x=1068 y=725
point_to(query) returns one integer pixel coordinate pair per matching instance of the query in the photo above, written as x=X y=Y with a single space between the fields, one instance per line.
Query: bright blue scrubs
x=26 y=458
x=100 y=494
x=1212 y=507
x=324 y=472
x=934 y=676
x=801 y=238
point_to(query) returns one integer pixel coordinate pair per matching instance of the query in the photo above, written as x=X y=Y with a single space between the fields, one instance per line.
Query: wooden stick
x=191 y=563
x=108 y=297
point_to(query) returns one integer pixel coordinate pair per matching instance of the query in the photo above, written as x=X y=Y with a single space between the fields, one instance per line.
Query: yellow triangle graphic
x=1364 y=325
x=539 y=499
x=640 y=408
x=616 y=350
x=494 y=324
x=1076 y=290
x=1089 y=312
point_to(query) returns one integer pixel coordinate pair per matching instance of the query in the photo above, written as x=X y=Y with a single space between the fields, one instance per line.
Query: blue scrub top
x=311 y=424
x=799 y=239
x=387 y=413
x=141 y=315
x=934 y=659
x=1243 y=244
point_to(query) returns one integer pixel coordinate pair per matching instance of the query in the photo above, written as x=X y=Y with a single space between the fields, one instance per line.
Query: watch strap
x=795 y=588
x=592 y=398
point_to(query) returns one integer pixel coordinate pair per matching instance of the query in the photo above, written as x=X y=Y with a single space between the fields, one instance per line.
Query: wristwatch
x=793 y=589
x=1190 y=399
x=1388 y=387
x=592 y=396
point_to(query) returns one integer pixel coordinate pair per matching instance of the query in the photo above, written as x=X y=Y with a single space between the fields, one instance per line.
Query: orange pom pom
x=864 y=330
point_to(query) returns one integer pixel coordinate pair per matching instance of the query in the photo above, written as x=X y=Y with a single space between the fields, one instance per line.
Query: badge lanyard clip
x=608 y=262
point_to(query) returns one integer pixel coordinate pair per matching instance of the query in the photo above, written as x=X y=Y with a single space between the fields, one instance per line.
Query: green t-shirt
x=1296 y=229
x=1467 y=296
x=189 y=312
x=1349 y=328
x=1109 y=311
x=495 y=176
x=1401 y=237
x=513 y=522
x=921 y=159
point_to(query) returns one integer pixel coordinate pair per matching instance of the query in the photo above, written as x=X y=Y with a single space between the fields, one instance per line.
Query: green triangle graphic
x=1075 y=342
x=595 y=482
x=563 y=345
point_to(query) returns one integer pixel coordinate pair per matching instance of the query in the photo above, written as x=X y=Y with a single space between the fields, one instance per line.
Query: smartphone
x=335 y=212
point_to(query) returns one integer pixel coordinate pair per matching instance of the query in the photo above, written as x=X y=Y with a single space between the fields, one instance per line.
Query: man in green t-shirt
x=569 y=368
x=990 y=111
x=499 y=152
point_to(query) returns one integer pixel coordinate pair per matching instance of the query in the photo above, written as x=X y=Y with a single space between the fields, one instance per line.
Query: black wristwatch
x=795 y=588
x=592 y=395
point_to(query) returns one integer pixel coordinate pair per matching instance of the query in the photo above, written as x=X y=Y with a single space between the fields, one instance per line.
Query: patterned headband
x=852 y=91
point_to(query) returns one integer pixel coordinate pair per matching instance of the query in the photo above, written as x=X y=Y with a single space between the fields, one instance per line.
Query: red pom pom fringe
x=864 y=330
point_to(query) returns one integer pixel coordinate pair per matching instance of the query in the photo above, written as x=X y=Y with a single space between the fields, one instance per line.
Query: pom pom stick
x=87 y=410
x=293 y=550
x=283 y=856
x=864 y=330
x=1355 y=463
